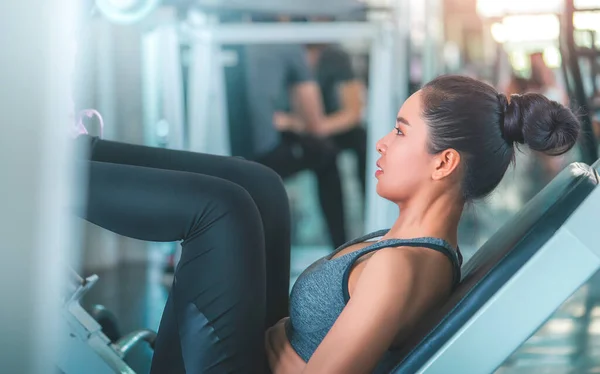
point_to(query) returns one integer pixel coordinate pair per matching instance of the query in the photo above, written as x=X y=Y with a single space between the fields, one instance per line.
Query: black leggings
x=233 y=277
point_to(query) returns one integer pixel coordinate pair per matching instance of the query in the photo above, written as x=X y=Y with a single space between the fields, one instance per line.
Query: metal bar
x=285 y=33
x=203 y=64
x=594 y=63
x=151 y=87
x=126 y=343
x=589 y=148
x=433 y=28
x=388 y=79
x=587 y=52
x=564 y=69
x=287 y=7
x=380 y=213
x=172 y=83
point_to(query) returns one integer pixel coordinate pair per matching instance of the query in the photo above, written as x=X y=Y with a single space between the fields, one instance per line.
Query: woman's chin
x=390 y=194
x=381 y=190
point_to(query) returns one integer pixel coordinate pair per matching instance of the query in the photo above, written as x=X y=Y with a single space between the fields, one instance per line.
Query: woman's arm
x=382 y=302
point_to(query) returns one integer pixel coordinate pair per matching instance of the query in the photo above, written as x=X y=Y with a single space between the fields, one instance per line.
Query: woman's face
x=405 y=164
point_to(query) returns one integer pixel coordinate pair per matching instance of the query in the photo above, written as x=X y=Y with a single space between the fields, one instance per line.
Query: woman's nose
x=381 y=148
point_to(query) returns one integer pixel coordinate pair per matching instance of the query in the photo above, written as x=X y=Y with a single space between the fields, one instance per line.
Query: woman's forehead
x=411 y=108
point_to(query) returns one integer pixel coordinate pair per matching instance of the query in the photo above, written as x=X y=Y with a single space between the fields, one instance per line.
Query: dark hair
x=482 y=125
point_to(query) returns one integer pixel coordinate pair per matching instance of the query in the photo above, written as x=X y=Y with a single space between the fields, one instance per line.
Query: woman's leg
x=263 y=185
x=214 y=318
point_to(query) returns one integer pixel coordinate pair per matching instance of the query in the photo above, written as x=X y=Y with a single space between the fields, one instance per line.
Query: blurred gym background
x=160 y=73
x=146 y=72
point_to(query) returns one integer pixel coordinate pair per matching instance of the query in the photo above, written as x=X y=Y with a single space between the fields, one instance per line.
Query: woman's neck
x=435 y=217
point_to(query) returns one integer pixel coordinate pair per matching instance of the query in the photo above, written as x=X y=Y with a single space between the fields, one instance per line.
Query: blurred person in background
x=254 y=86
x=543 y=80
x=276 y=71
x=342 y=95
x=516 y=86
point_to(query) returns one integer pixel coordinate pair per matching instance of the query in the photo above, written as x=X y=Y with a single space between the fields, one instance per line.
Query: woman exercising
x=452 y=142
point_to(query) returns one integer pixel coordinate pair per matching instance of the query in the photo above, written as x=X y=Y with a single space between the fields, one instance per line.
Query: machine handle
x=124 y=345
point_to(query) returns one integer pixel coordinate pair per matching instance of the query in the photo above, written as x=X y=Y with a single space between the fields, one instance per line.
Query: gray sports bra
x=321 y=292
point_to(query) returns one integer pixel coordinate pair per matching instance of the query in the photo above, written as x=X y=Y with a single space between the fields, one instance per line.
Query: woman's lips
x=379 y=170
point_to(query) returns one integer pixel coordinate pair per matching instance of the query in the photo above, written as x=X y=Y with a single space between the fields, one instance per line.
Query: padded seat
x=513 y=283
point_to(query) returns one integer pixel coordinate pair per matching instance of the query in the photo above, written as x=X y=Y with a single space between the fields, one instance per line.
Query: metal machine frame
x=533 y=293
x=84 y=348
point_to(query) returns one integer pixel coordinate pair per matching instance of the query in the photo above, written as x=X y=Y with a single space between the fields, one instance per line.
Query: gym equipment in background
x=84 y=347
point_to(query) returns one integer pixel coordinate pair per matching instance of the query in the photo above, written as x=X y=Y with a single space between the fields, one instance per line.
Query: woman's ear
x=445 y=163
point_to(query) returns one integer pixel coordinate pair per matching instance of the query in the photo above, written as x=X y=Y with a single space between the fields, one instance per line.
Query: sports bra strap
x=433 y=243
x=364 y=238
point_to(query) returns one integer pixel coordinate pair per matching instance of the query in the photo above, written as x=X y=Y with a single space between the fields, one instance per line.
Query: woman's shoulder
x=387 y=268
x=408 y=254
x=405 y=259
x=394 y=269
x=412 y=262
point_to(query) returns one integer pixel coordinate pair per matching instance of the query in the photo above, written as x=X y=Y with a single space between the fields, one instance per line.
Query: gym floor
x=569 y=343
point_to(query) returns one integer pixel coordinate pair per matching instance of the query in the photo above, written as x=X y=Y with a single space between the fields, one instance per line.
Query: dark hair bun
x=544 y=125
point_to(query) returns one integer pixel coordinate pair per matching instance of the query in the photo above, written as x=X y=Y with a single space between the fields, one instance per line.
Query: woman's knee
x=272 y=198
x=216 y=202
x=233 y=200
x=238 y=204
x=270 y=181
x=264 y=184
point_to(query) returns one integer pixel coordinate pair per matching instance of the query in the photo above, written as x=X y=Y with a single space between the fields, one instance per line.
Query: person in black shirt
x=342 y=95
x=265 y=76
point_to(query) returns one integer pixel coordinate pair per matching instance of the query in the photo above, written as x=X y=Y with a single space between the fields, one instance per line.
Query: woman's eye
x=398 y=131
